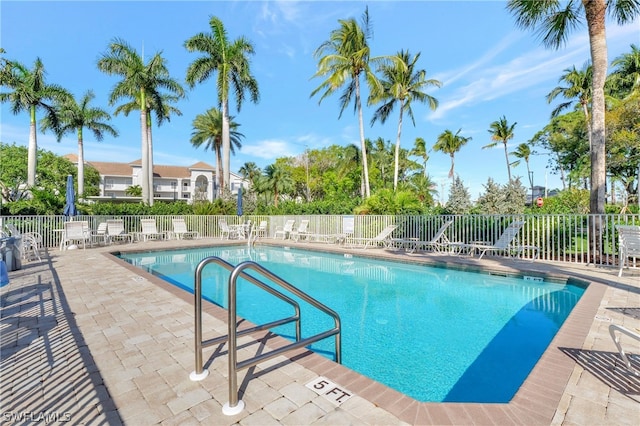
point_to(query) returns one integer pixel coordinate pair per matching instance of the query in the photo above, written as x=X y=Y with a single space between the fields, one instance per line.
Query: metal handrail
x=235 y=405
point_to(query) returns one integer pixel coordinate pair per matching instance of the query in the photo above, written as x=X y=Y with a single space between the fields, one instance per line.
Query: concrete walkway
x=87 y=339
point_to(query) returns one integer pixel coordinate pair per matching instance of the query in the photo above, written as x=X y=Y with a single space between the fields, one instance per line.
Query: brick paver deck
x=90 y=340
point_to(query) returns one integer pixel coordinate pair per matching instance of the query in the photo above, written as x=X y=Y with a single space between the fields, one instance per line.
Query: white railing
x=563 y=238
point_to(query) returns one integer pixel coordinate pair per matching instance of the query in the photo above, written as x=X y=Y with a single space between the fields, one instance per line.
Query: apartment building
x=170 y=183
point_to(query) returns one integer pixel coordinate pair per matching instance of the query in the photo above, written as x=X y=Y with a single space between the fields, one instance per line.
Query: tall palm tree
x=578 y=88
x=553 y=19
x=401 y=83
x=75 y=117
x=141 y=82
x=450 y=143
x=230 y=59
x=29 y=92
x=501 y=131
x=342 y=60
x=523 y=152
x=250 y=171
x=207 y=131
x=420 y=150
x=278 y=180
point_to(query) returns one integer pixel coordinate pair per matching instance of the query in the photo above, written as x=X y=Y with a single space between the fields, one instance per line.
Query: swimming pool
x=435 y=334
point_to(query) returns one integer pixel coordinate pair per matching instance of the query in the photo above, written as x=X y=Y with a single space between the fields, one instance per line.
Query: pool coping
x=535 y=402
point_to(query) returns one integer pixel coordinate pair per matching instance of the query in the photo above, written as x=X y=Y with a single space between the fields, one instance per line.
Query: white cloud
x=267 y=149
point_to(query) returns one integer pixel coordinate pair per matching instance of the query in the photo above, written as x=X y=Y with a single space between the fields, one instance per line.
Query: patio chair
x=115 y=231
x=226 y=230
x=100 y=235
x=285 y=230
x=75 y=232
x=629 y=245
x=263 y=229
x=301 y=232
x=627 y=359
x=438 y=241
x=180 y=230
x=383 y=238
x=150 y=231
x=503 y=244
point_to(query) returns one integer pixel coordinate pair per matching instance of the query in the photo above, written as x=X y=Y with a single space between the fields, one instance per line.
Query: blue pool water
x=435 y=334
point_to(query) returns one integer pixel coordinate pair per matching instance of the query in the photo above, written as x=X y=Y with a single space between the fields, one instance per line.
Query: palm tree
x=420 y=150
x=29 y=93
x=343 y=59
x=230 y=60
x=75 y=117
x=141 y=82
x=627 y=71
x=523 y=152
x=450 y=143
x=553 y=19
x=250 y=171
x=401 y=83
x=501 y=131
x=207 y=130
x=278 y=180
x=578 y=87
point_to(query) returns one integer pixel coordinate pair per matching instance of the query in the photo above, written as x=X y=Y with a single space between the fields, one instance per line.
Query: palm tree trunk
x=150 y=147
x=32 y=158
x=596 y=11
x=397 y=154
x=80 y=163
x=365 y=167
x=144 y=174
x=226 y=145
x=506 y=157
x=219 y=169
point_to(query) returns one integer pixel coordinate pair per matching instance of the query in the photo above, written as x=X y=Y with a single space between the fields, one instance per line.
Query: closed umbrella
x=70 y=204
x=240 y=201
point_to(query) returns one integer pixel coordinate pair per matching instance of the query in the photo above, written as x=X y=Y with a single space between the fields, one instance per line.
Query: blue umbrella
x=240 y=201
x=70 y=206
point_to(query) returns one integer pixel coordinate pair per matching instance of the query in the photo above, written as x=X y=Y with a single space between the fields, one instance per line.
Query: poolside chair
x=75 y=232
x=100 y=235
x=503 y=244
x=613 y=329
x=262 y=229
x=180 y=230
x=285 y=230
x=115 y=231
x=437 y=242
x=383 y=238
x=301 y=232
x=150 y=231
x=226 y=230
x=629 y=245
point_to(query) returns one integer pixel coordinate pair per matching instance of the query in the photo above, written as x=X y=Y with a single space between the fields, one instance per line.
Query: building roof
x=159 y=170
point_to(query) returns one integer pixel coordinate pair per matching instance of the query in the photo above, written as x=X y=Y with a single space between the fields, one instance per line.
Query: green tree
x=401 y=83
x=230 y=59
x=141 y=82
x=450 y=143
x=626 y=73
x=207 y=131
x=523 y=152
x=420 y=150
x=501 y=131
x=30 y=92
x=388 y=201
x=250 y=171
x=492 y=200
x=553 y=19
x=342 y=60
x=74 y=118
x=278 y=180
x=459 y=198
x=515 y=197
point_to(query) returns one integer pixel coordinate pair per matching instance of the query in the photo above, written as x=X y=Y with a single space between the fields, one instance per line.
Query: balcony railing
x=578 y=239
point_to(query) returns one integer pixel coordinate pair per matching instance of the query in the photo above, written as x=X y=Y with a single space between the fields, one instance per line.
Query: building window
x=185 y=195
x=108 y=183
x=186 y=184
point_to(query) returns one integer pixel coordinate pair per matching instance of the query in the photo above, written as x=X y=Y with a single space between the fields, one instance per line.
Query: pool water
x=434 y=334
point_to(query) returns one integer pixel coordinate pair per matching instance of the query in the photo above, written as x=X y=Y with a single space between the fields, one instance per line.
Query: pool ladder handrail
x=235 y=406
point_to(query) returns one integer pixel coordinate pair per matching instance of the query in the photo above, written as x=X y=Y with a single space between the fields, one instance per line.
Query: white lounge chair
x=383 y=238
x=438 y=241
x=613 y=329
x=100 y=235
x=629 y=245
x=285 y=230
x=180 y=230
x=503 y=244
x=75 y=232
x=150 y=231
x=302 y=232
x=115 y=231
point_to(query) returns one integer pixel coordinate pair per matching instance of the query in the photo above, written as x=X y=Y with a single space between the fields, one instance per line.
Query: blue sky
x=488 y=68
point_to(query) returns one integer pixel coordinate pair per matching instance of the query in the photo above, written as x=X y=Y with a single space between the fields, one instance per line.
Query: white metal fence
x=582 y=239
